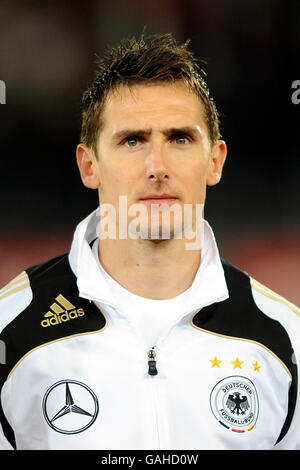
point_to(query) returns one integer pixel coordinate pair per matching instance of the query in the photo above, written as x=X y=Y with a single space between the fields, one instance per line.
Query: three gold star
x=236 y=364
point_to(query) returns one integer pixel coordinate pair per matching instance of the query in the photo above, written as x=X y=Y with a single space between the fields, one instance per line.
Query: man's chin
x=157 y=234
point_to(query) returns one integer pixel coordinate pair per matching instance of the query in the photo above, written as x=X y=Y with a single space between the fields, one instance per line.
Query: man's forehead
x=171 y=101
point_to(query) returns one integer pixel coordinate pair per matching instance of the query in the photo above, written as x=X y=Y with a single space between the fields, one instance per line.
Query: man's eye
x=131 y=142
x=181 y=140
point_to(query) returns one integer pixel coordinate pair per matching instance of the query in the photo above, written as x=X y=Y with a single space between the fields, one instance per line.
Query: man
x=142 y=337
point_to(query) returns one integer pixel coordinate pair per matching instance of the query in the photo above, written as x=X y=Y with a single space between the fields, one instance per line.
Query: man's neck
x=155 y=270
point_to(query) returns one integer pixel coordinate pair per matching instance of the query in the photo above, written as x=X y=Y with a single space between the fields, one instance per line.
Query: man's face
x=154 y=148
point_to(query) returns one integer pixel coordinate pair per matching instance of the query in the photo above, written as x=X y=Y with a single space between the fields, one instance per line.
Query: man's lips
x=159 y=199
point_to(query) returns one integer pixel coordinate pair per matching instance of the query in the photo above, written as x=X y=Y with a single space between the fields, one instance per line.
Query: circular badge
x=70 y=406
x=234 y=403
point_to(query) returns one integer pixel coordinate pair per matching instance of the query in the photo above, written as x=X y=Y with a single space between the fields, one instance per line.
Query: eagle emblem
x=234 y=403
x=237 y=404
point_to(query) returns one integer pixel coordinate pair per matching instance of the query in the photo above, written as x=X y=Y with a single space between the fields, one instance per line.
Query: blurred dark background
x=252 y=49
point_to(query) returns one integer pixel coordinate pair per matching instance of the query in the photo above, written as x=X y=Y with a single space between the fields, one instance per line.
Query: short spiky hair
x=149 y=59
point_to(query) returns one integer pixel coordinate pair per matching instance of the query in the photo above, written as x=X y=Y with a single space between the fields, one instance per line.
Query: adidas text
x=66 y=316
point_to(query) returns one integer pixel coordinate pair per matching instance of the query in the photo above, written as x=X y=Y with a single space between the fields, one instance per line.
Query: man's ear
x=218 y=157
x=87 y=164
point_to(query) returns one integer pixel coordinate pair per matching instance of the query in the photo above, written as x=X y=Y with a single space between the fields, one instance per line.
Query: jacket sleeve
x=291 y=440
x=14 y=297
x=288 y=315
x=4 y=444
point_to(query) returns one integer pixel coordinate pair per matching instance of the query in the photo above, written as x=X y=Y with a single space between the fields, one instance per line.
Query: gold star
x=215 y=362
x=237 y=363
x=256 y=366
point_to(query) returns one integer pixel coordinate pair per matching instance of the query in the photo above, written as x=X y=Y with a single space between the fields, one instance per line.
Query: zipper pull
x=152 y=362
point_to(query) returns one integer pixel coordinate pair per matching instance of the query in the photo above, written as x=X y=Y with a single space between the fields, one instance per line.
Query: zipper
x=152 y=353
x=152 y=370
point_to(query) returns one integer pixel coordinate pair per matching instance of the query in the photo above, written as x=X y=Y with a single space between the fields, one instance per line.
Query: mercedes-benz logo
x=61 y=406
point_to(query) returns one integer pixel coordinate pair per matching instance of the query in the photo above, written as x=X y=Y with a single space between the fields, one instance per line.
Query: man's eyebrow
x=193 y=132
x=125 y=133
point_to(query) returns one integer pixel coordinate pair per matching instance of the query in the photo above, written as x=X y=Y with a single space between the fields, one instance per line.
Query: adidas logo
x=61 y=311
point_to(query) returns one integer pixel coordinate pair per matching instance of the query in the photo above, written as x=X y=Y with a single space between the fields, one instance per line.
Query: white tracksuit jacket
x=75 y=374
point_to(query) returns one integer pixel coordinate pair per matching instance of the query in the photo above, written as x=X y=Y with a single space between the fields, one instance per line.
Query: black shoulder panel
x=55 y=312
x=239 y=317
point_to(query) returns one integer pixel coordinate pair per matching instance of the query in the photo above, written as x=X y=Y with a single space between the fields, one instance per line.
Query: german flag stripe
x=227 y=427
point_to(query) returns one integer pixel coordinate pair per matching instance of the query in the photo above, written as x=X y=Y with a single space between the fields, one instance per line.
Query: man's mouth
x=159 y=199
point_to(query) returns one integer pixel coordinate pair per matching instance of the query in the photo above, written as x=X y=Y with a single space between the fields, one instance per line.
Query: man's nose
x=156 y=164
